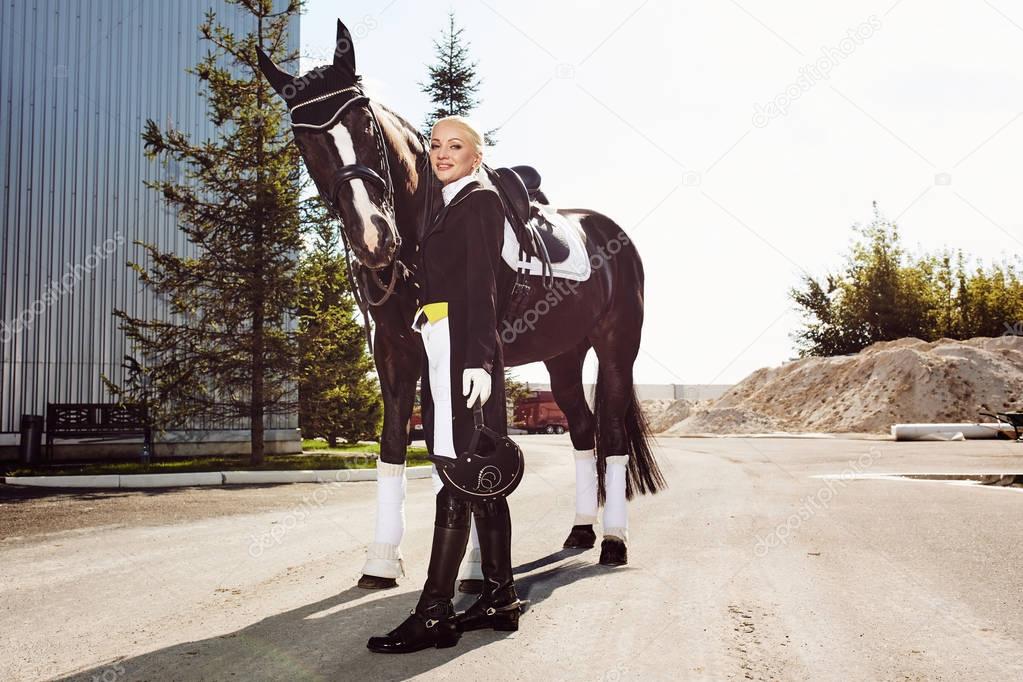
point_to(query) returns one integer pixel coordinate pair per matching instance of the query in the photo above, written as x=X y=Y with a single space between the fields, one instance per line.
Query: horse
x=372 y=169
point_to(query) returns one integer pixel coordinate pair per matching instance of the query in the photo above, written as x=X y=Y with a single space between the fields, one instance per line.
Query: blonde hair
x=466 y=126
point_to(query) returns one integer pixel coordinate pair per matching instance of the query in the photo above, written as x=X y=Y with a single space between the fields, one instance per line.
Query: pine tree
x=338 y=396
x=227 y=348
x=453 y=80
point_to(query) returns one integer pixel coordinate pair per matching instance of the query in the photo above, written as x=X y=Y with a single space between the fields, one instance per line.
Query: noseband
x=383 y=182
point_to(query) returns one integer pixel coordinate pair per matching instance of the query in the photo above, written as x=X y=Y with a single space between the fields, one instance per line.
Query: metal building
x=77 y=82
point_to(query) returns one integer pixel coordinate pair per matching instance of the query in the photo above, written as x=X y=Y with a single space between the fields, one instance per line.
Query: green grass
x=361 y=456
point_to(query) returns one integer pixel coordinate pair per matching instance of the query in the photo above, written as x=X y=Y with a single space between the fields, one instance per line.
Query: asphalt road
x=748 y=567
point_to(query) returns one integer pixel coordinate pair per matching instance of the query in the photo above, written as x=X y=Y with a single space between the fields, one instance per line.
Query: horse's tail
x=644 y=473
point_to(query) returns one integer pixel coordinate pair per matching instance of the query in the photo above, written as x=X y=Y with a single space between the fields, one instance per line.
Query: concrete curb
x=208 y=478
x=169 y=480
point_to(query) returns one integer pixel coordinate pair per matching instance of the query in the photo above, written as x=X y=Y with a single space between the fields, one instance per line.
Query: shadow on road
x=26 y=493
x=327 y=639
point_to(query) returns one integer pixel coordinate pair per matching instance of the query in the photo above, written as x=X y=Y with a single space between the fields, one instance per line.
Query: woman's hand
x=476 y=383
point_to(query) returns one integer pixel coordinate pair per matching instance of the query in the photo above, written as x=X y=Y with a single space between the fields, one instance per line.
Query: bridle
x=384 y=182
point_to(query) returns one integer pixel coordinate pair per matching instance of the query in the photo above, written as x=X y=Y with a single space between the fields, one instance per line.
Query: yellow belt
x=434 y=311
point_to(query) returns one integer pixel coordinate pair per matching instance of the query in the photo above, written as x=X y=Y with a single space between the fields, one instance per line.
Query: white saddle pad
x=575 y=267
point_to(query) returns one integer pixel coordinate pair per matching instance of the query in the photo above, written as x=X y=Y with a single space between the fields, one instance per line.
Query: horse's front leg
x=398 y=362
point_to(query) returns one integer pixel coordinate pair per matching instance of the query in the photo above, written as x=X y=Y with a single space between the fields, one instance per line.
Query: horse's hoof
x=613 y=553
x=373 y=582
x=581 y=537
x=470 y=586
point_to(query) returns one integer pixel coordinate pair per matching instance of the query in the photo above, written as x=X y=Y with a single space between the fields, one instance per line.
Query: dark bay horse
x=372 y=169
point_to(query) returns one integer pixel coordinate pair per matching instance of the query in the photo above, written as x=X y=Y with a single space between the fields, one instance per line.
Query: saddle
x=515 y=198
x=519 y=188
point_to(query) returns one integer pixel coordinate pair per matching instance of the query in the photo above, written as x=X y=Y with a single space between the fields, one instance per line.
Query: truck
x=538 y=413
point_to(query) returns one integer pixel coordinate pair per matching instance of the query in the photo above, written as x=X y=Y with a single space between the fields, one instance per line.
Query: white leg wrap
x=616 y=516
x=390 y=503
x=585 y=487
x=472 y=569
x=383 y=557
x=384 y=561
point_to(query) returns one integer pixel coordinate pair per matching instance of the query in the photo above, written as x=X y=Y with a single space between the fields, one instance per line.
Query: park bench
x=97 y=422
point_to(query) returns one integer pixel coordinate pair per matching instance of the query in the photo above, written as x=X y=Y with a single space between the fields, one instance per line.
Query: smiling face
x=452 y=153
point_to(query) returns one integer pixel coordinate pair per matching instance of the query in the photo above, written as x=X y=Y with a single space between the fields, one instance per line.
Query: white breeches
x=437 y=341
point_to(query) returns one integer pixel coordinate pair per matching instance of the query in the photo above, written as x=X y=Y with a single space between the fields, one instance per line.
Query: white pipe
x=945 y=431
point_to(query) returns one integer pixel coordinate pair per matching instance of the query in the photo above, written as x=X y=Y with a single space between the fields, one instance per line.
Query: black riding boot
x=498 y=606
x=432 y=622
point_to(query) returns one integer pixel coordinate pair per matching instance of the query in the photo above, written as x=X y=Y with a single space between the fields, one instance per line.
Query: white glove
x=476 y=383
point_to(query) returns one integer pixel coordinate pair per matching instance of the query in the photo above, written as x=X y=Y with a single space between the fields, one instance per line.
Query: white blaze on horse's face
x=345 y=161
x=369 y=213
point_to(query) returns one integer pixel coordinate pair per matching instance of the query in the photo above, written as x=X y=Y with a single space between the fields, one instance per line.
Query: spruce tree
x=225 y=348
x=453 y=82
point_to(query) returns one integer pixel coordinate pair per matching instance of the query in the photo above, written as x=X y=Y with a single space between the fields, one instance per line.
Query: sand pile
x=901 y=381
x=662 y=414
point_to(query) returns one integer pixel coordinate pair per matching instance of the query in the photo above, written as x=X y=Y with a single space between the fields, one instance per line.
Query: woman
x=458 y=263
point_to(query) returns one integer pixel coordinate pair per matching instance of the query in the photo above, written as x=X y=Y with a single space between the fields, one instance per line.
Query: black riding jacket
x=458 y=262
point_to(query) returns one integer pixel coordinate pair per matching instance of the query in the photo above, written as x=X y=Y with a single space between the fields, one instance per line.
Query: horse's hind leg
x=566 y=384
x=625 y=462
x=566 y=372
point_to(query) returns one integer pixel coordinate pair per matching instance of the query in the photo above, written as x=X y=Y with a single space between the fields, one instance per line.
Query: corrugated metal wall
x=78 y=79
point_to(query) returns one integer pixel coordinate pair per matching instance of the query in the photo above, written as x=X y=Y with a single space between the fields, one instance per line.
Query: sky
x=735 y=142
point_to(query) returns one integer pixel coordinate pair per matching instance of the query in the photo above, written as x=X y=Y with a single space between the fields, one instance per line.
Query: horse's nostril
x=387 y=235
x=381 y=224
